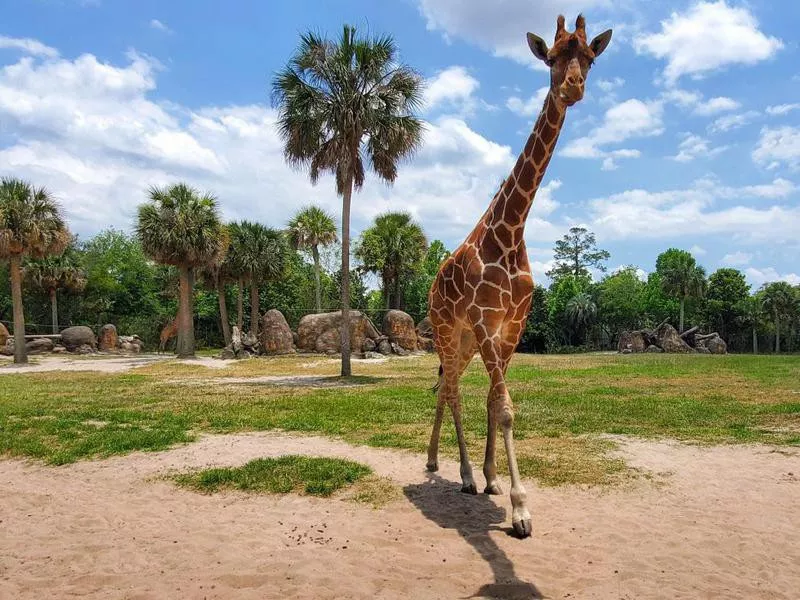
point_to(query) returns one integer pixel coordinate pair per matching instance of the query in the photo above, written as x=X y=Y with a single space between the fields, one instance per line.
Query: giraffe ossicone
x=480 y=299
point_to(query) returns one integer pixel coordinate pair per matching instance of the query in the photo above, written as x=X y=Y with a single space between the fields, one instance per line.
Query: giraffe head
x=569 y=59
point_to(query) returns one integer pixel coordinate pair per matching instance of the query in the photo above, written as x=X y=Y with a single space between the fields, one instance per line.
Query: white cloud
x=779 y=188
x=778 y=146
x=729 y=122
x=531 y=106
x=693 y=146
x=160 y=26
x=544 y=203
x=709 y=36
x=768 y=275
x=630 y=119
x=28 y=46
x=608 y=85
x=500 y=26
x=642 y=214
x=91 y=132
x=716 y=105
x=453 y=87
x=737 y=259
x=782 y=109
x=698 y=250
x=682 y=98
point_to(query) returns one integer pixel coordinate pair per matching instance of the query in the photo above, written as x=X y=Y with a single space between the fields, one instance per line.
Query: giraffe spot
x=491 y=251
x=526 y=175
x=487 y=296
x=538 y=151
x=503 y=235
x=497 y=276
x=553 y=114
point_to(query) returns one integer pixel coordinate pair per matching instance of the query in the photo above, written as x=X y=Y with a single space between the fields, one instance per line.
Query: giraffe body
x=481 y=296
x=169 y=332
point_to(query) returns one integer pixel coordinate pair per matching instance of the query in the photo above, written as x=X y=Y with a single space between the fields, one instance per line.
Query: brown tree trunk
x=54 y=310
x=347 y=196
x=223 y=312
x=755 y=341
x=254 y=308
x=683 y=301
x=317 y=283
x=777 y=335
x=240 y=306
x=20 y=354
x=185 y=344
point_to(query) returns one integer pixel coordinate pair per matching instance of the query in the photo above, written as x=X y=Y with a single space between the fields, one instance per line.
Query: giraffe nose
x=575 y=79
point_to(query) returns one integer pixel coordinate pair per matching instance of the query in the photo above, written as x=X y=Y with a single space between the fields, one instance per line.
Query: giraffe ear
x=600 y=42
x=538 y=46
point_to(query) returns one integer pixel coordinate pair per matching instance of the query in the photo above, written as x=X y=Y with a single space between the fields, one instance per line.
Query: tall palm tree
x=780 y=302
x=179 y=226
x=235 y=264
x=751 y=311
x=53 y=273
x=261 y=256
x=309 y=229
x=216 y=275
x=340 y=103
x=392 y=247
x=31 y=224
x=682 y=278
x=581 y=312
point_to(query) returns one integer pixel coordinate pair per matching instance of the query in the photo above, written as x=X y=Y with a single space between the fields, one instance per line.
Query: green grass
x=300 y=474
x=563 y=403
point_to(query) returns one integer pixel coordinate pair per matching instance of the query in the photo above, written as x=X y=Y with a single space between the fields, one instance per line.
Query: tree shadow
x=473 y=517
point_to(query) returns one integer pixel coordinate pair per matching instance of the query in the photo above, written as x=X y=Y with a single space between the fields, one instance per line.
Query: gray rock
x=322 y=332
x=399 y=328
x=654 y=349
x=4 y=335
x=85 y=349
x=369 y=345
x=72 y=338
x=59 y=350
x=108 y=340
x=702 y=350
x=633 y=340
x=274 y=334
x=425 y=328
x=398 y=349
x=372 y=355
x=385 y=347
x=627 y=351
x=39 y=346
x=716 y=345
x=227 y=353
x=671 y=341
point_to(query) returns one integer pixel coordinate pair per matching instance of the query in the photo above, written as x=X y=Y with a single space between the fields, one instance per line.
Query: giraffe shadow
x=473 y=517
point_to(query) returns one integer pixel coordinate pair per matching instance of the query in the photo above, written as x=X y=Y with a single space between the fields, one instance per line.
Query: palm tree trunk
x=317 y=284
x=239 y=306
x=777 y=335
x=54 y=310
x=398 y=294
x=254 y=308
x=683 y=301
x=223 y=312
x=347 y=196
x=755 y=341
x=20 y=354
x=185 y=343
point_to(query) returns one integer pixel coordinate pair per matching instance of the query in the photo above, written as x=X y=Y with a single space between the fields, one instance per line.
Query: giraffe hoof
x=493 y=490
x=432 y=467
x=522 y=528
x=469 y=488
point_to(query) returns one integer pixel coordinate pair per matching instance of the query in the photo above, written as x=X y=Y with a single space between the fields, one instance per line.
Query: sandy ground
x=719 y=522
x=101 y=364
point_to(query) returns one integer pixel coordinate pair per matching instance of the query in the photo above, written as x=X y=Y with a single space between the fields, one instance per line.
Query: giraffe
x=481 y=295
x=170 y=331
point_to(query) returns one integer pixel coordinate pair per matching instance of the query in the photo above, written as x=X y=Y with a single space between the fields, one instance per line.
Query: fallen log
x=690 y=331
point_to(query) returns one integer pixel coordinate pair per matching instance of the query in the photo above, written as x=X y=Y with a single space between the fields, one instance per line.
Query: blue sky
x=689 y=134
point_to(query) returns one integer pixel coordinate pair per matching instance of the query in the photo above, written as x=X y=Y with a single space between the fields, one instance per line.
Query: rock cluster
x=75 y=340
x=665 y=338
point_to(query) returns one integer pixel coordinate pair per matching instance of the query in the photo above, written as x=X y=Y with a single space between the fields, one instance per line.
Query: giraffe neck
x=514 y=199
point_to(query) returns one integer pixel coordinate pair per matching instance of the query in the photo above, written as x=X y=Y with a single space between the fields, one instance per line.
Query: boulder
x=236 y=340
x=39 y=346
x=4 y=335
x=7 y=349
x=426 y=344
x=384 y=346
x=369 y=345
x=85 y=349
x=716 y=345
x=372 y=356
x=321 y=332
x=670 y=340
x=108 y=340
x=130 y=343
x=250 y=343
x=274 y=334
x=227 y=353
x=634 y=340
x=399 y=328
x=59 y=350
x=425 y=328
x=74 y=337
x=654 y=349
x=702 y=350
x=398 y=349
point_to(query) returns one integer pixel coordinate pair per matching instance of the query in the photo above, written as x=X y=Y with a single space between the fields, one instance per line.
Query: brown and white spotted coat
x=481 y=296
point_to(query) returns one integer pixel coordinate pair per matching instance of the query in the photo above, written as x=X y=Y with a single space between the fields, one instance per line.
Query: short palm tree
x=780 y=302
x=581 y=312
x=340 y=103
x=54 y=273
x=261 y=257
x=751 y=312
x=179 y=226
x=31 y=224
x=683 y=278
x=216 y=276
x=392 y=247
x=309 y=229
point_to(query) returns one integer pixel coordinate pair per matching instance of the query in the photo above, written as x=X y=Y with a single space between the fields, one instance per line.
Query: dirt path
x=102 y=364
x=718 y=522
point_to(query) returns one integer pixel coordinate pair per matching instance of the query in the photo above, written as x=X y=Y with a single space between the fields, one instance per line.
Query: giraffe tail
x=435 y=388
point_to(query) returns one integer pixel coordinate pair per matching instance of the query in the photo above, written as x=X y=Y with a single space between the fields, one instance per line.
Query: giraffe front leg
x=520 y=516
x=467 y=482
x=433 y=446
x=489 y=463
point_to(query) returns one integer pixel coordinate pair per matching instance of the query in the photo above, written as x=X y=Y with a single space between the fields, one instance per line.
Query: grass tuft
x=292 y=473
